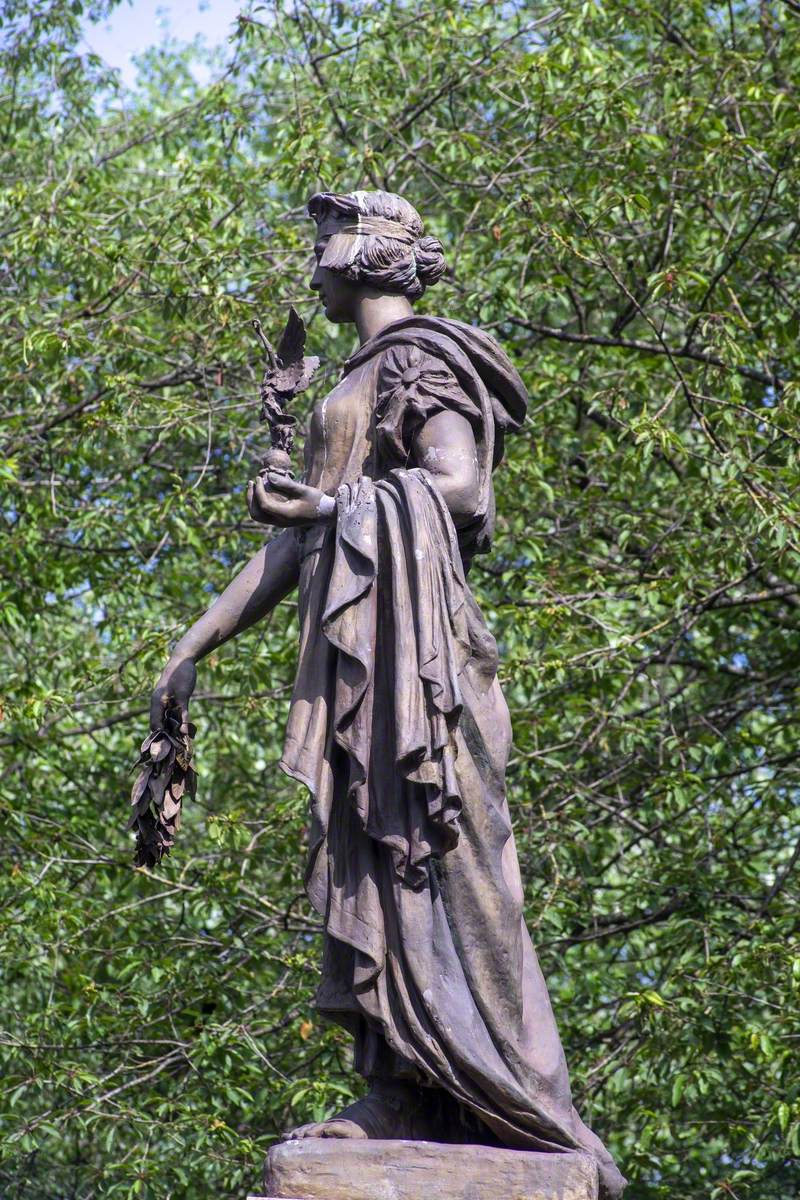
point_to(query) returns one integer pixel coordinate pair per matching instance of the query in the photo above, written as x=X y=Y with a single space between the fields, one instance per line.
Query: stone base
x=339 y=1169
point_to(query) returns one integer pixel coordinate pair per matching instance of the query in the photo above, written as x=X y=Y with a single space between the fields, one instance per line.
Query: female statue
x=397 y=725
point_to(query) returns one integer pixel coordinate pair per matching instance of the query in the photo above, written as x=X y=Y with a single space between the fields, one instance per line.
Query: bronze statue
x=398 y=726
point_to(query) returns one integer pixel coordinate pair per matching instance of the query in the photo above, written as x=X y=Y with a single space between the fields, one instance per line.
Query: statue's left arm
x=444 y=447
x=425 y=419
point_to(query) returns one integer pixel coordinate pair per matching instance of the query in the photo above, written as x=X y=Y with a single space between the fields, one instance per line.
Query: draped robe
x=400 y=731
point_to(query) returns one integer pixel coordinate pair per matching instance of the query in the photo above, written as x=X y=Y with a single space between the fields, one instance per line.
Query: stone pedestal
x=336 y=1169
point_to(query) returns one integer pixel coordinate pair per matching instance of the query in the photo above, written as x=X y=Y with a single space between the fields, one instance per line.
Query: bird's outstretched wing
x=294 y=370
x=293 y=340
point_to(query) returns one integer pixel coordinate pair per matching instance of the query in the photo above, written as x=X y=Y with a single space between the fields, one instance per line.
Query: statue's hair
x=378 y=260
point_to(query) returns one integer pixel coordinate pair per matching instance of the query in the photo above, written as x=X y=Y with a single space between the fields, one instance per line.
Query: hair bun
x=429 y=255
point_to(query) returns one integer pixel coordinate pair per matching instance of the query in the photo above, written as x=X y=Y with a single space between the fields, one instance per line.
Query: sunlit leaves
x=616 y=188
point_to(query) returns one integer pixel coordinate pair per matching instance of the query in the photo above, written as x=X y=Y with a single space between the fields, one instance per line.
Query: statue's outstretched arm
x=445 y=448
x=260 y=585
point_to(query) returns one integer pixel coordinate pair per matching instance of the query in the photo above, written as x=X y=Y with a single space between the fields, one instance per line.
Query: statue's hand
x=283 y=501
x=174 y=689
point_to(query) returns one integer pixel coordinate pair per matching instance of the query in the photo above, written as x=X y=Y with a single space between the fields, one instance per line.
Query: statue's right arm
x=269 y=576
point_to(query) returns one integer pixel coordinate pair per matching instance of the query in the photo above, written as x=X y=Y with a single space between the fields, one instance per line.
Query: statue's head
x=370 y=241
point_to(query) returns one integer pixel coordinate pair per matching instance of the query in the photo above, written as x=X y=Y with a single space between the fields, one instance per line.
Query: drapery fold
x=395 y=598
x=400 y=731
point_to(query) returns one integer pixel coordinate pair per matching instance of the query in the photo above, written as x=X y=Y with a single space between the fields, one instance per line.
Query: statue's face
x=337 y=294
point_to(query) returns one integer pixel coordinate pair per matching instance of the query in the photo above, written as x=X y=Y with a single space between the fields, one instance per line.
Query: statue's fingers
x=284 y=484
x=261 y=493
x=258 y=502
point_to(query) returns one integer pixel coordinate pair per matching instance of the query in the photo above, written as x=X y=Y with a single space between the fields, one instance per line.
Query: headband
x=380 y=227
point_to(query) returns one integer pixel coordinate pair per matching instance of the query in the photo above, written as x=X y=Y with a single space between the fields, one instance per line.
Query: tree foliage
x=617 y=186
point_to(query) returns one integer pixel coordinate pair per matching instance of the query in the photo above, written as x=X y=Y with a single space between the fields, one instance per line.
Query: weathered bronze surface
x=398 y=726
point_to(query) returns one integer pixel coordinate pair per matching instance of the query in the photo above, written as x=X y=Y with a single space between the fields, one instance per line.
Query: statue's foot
x=391 y=1110
x=337 y=1127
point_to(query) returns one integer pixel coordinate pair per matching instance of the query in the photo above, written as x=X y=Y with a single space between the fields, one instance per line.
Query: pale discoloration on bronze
x=397 y=1170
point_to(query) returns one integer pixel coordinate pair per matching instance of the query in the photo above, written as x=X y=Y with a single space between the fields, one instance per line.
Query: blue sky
x=137 y=24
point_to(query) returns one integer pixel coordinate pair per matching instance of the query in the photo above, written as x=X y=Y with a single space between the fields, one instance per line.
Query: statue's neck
x=376 y=310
